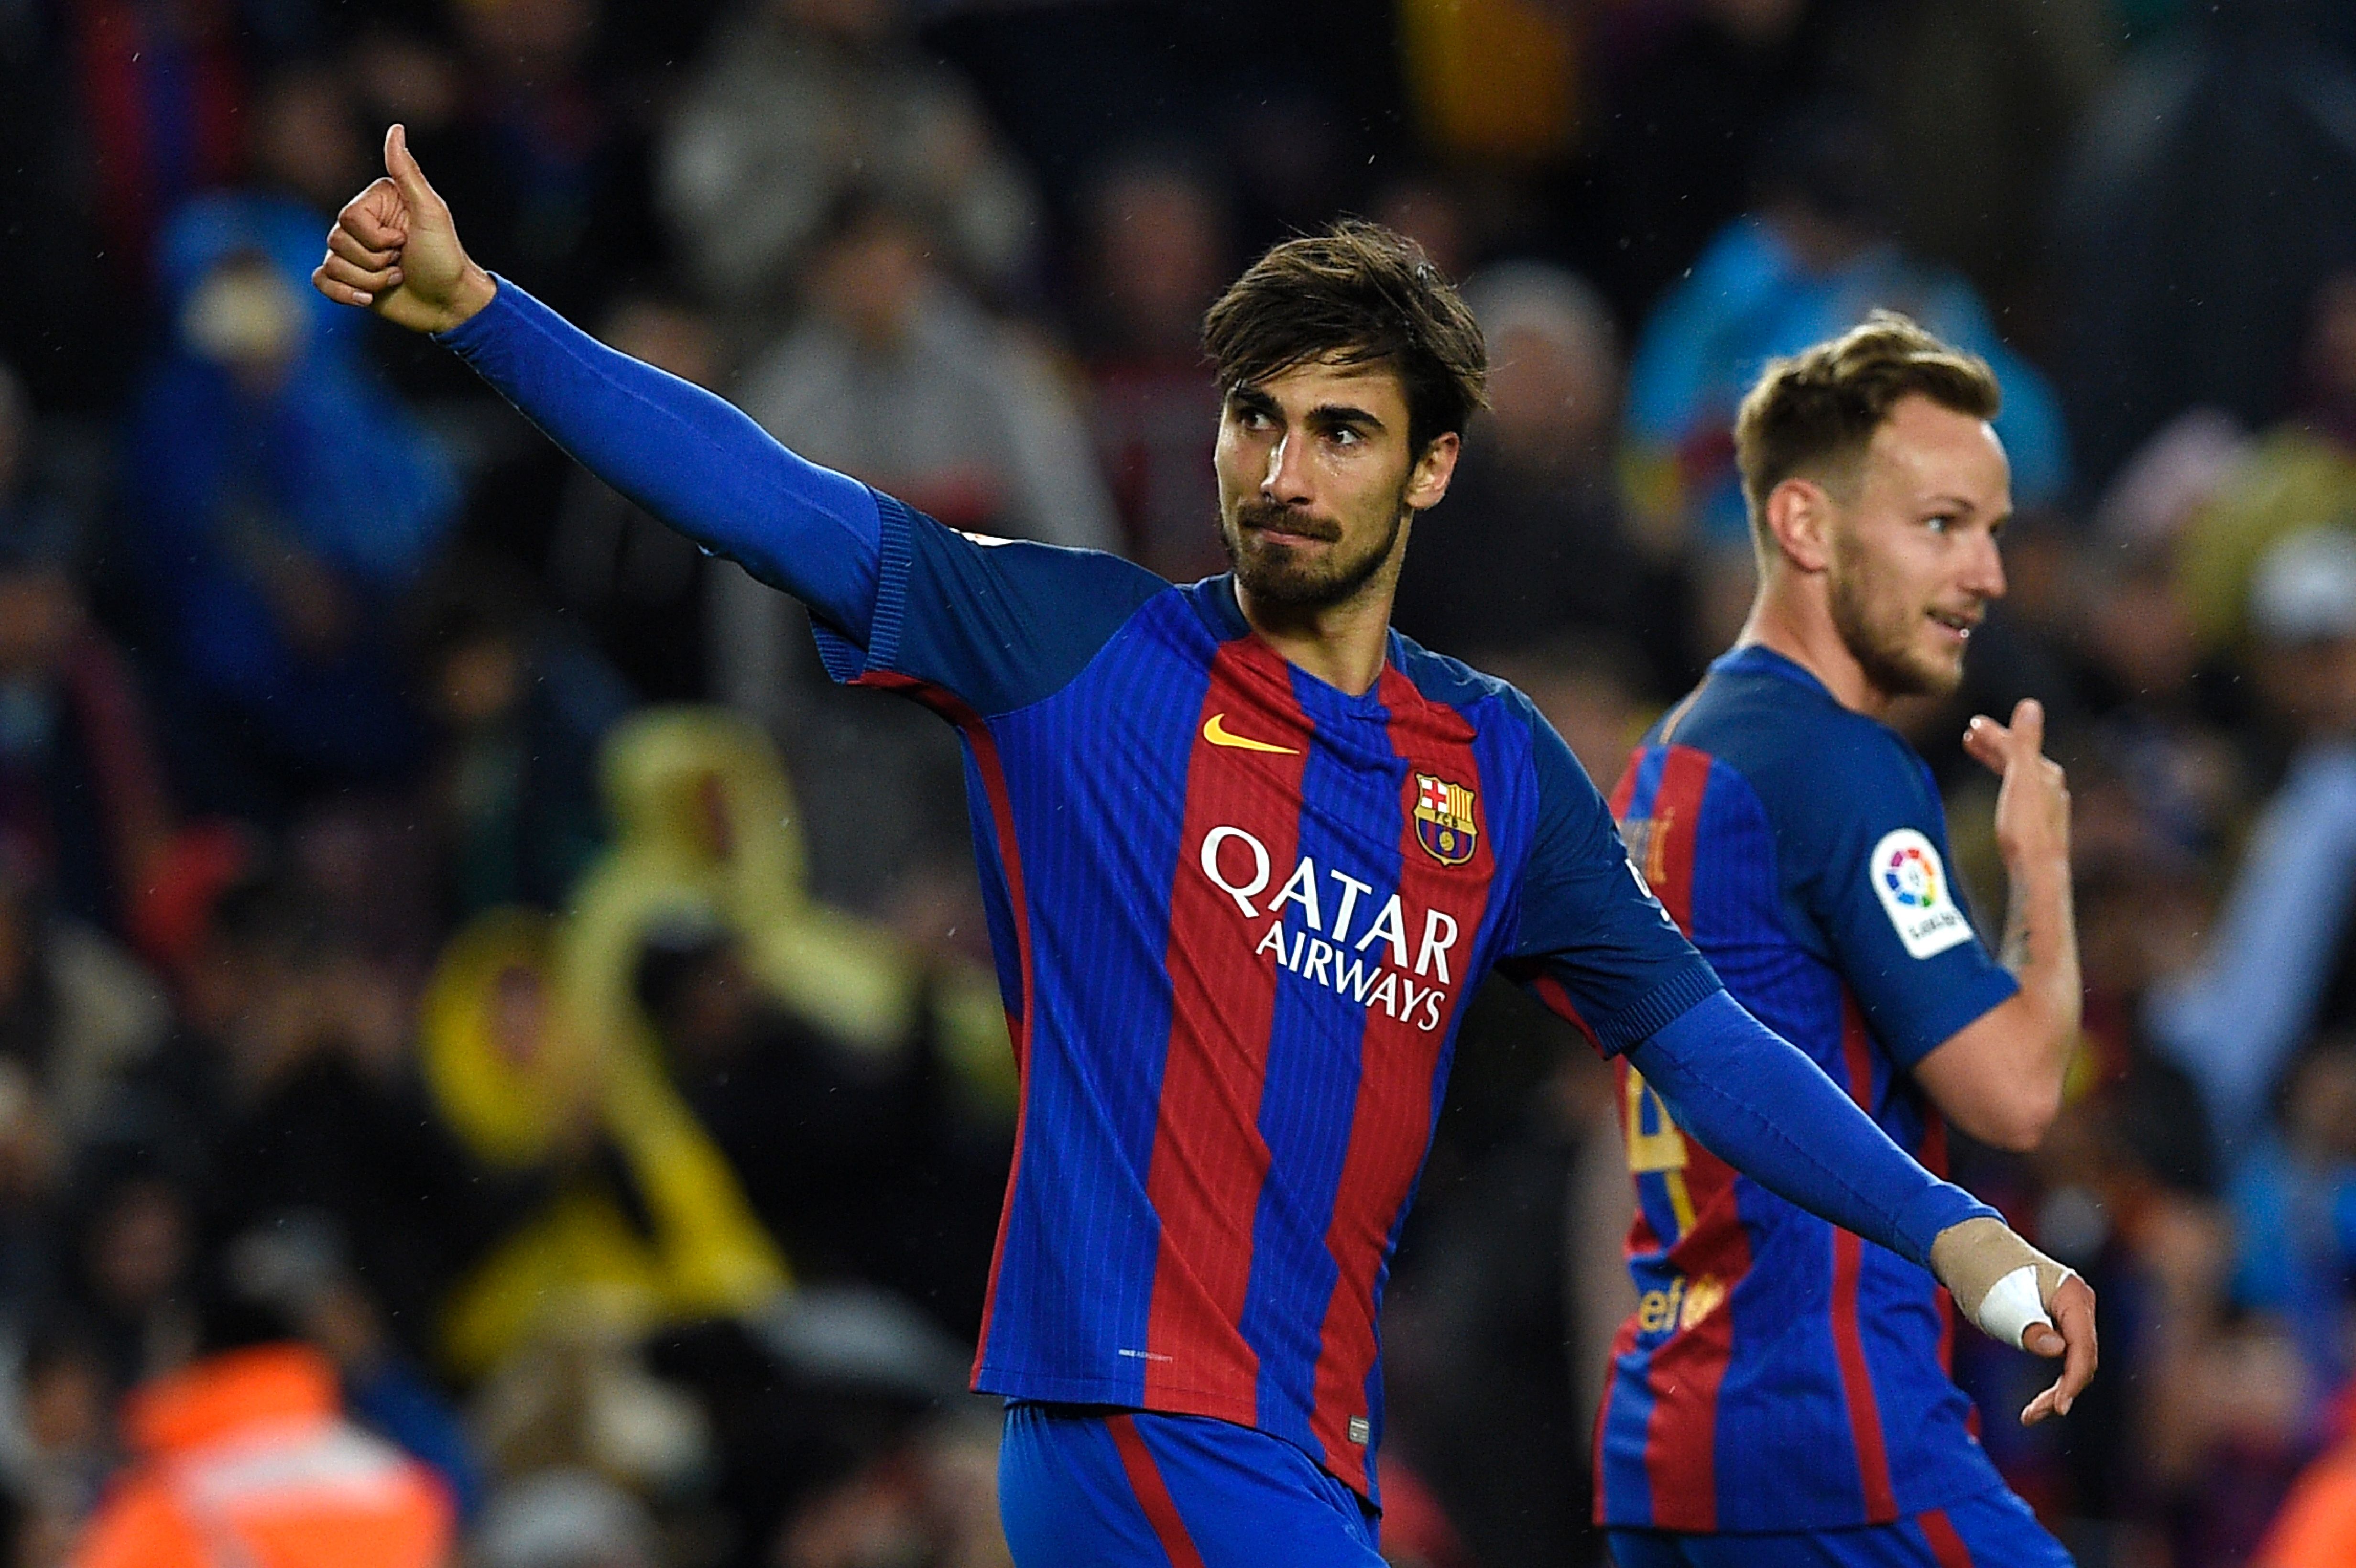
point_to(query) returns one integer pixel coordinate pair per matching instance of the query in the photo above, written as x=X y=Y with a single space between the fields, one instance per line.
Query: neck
x=1342 y=645
x=1793 y=619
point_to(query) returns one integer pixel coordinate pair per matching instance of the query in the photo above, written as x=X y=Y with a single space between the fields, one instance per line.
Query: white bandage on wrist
x=2000 y=1281
x=2011 y=1304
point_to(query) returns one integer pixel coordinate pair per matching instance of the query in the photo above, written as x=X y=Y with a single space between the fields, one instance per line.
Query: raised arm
x=687 y=457
x=1999 y=1078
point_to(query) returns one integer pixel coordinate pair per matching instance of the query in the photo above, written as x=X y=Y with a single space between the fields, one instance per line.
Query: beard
x=1883 y=643
x=1279 y=574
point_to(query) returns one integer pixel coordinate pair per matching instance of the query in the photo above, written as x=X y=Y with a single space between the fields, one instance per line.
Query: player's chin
x=1936 y=670
x=1279 y=574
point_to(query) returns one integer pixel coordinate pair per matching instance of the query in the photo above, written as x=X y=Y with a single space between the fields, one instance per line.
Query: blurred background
x=475 y=1003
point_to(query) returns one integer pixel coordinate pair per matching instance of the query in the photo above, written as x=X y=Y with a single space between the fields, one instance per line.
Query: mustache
x=1264 y=515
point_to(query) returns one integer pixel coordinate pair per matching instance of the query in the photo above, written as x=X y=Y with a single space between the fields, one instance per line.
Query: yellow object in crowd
x=514 y=1080
x=1493 y=80
x=2290 y=479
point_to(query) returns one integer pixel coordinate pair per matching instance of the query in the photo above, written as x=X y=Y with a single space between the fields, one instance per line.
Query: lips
x=1960 y=623
x=1289 y=527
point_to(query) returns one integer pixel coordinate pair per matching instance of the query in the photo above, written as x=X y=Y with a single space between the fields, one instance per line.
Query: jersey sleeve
x=896 y=597
x=686 y=456
x=996 y=624
x=1589 y=938
x=1878 y=887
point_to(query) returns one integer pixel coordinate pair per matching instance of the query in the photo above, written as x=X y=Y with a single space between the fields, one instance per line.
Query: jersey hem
x=1058 y=1389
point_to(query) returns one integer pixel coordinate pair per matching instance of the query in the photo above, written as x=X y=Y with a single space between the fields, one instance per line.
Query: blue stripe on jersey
x=1648 y=783
x=1316 y=1057
x=1621 y=1435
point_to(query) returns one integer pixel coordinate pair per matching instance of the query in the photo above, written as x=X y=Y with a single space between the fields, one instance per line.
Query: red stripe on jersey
x=1946 y=1545
x=1398 y=1055
x=1933 y=1156
x=1209 y=1159
x=1152 y=1492
x=1676 y=813
x=1684 y=1370
x=1848 y=1342
x=993 y=768
x=1625 y=792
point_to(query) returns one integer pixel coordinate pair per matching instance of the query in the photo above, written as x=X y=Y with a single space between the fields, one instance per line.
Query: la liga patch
x=1912 y=886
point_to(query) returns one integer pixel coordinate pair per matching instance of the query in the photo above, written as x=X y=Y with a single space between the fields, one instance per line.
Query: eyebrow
x=1326 y=414
x=1341 y=415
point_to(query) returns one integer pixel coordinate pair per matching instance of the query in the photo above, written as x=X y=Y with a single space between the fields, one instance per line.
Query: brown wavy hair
x=1354 y=295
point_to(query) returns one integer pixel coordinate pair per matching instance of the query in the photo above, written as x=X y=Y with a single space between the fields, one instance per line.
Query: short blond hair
x=1817 y=409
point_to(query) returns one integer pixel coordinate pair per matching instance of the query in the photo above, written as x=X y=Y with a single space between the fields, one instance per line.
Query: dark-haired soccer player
x=1780 y=1395
x=1245 y=852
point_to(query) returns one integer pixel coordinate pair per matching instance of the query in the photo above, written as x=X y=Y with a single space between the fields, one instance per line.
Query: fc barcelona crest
x=1443 y=819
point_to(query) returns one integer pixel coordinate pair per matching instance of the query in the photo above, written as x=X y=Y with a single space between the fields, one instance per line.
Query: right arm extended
x=687 y=457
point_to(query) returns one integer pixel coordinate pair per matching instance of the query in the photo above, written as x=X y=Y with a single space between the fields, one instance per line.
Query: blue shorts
x=1089 y=1486
x=1994 y=1529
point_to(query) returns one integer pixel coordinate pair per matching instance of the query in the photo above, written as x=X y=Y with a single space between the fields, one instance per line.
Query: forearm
x=1756 y=1102
x=686 y=456
x=2041 y=948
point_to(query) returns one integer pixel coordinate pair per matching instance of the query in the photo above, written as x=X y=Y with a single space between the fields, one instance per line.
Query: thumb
x=415 y=193
x=2028 y=726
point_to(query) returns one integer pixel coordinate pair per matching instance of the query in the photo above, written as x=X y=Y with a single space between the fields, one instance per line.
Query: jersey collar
x=1757 y=658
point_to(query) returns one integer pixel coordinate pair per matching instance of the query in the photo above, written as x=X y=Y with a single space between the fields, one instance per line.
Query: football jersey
x=1780 y=1373
x=1237 y=912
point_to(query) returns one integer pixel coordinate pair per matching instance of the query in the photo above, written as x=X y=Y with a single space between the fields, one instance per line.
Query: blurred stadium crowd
x=473 y=1001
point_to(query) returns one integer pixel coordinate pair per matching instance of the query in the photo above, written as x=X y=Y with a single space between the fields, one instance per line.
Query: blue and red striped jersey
x=1237 y=912
x=1779 y=1373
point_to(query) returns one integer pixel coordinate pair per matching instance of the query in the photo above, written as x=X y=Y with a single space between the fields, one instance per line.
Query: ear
x=1800 y=520
x=1427 y=482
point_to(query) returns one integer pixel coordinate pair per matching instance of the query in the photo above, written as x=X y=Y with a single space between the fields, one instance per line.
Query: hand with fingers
x=2017 y=1295
x=396 y=251
x=2032 y=804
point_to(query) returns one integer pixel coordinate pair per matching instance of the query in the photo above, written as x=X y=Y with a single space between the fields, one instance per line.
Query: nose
x=1984 y=570
x=1286 y=482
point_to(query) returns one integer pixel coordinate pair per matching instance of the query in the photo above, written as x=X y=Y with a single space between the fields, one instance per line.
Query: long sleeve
x=1760 y=1106
x=686 y=456
x=2235 y=1018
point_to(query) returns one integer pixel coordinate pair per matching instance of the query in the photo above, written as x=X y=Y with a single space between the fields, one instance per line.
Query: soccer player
x=1245 y=852
x=1780 y=1395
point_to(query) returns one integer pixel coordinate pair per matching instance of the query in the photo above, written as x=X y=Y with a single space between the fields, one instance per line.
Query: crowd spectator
x=1809 y=261
x=799 y=104
x=277 y=501
x=2271 y=975
x=524 y=706
x=246 y=1451
x=85 y=814
x=1158 y=253
x=2208 y=194
x=1533 y=543
x=545 y=153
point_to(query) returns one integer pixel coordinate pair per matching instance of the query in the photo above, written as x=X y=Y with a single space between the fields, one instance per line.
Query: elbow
x=2019 y=1123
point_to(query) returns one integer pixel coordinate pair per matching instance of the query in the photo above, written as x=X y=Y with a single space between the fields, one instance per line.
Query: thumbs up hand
x=394 y=250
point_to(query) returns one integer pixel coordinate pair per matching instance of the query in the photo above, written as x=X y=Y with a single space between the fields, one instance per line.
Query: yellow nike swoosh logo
x=1214 y=731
